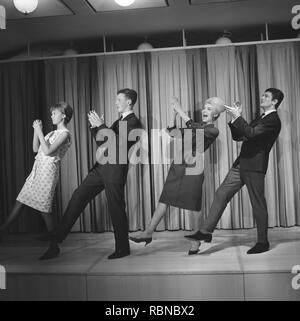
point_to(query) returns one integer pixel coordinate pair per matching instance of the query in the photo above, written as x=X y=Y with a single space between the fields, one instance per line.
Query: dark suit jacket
x=116 y=173
x=258 y=138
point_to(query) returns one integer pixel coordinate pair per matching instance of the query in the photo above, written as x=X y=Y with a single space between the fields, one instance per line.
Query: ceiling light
x=26 y=6
x=224 y=39
x=145 y=45
x=124 y=3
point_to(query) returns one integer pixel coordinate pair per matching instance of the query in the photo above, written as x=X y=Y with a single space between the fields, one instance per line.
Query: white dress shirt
x=265 y=114
x=126 y=114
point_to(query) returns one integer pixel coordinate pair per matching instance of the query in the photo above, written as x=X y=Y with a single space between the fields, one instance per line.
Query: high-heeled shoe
x=192 y=252
x=147 y=240
x=52 y=252
x=199 y=236
x=196 y=248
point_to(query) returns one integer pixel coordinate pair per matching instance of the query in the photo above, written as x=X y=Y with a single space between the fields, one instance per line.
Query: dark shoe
x=52 y=252
x=259 y=248
x=194 y=249
x=118 y=254
x=48 y=237
x=199 y=236
x=147 y=240
x=192 y=252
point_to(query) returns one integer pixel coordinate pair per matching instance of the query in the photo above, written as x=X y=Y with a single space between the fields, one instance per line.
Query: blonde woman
x=181 y=190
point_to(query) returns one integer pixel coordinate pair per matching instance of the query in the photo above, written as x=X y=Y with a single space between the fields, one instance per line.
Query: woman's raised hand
x=37 y=125
x=175 y=104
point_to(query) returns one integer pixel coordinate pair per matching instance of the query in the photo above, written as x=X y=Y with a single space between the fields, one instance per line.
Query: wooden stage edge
x=161 y=271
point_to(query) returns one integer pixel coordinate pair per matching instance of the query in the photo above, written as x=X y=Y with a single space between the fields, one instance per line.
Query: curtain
x=27 y=90
x=232 y=76
x=21 y=97
x=279 y=67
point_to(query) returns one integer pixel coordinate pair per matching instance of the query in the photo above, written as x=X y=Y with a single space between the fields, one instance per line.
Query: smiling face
x=267 y=101
x=123 y=104
x=57 y=116
x=208 y=113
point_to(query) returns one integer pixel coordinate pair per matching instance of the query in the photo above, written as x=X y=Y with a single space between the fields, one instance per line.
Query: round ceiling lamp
x=224 y=39
x=124 y=3
x=26 y=6
x=145 y=46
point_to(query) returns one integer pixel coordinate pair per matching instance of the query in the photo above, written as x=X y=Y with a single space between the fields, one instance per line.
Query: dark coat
x=258 y=138
x=116 y=173
x=185 y=191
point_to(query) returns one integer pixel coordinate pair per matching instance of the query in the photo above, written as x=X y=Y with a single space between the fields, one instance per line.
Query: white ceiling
x=56 y=20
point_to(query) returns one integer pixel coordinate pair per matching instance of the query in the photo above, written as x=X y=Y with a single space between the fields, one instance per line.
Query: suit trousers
x=92 y=185
x=233 y=182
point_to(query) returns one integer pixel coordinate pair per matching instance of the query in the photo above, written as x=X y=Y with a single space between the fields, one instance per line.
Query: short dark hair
x=65 y=108
x=276 y=94
x=130 y=94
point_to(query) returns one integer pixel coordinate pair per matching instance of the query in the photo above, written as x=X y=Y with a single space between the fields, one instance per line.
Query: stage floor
x=160 y=271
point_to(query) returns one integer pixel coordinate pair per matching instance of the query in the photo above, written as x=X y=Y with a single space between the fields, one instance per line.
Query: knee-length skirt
x=181 y=190
x=39 y=188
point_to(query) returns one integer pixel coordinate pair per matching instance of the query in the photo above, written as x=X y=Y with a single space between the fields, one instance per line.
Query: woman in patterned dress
x=181 y=190
x=39 y=187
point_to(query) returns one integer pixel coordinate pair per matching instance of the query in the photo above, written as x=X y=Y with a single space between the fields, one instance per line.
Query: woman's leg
x=48 y=219
x=157 y=216
x=16 y=211
x=198 y=220
x=198 y=223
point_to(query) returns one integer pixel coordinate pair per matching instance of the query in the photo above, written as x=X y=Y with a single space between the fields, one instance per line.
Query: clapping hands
x=235 y=111
x=175 y=104
x=94 y=119
x=37 y=125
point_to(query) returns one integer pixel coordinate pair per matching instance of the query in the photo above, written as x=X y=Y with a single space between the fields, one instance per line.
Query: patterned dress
x=39 y=188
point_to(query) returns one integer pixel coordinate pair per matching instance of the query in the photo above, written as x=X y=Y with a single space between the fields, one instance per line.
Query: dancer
x=181 y=190
x=249 y=168
x=39 y=188
x=109 y=177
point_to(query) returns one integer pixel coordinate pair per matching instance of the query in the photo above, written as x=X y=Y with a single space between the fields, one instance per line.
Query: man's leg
x=86 y=191
x=231 y=184
x=89 y=188
x=116 y=206
x=255 y=183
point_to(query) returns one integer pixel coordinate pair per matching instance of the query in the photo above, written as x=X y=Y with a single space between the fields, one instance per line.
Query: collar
x=124 y=115
x=269 y=112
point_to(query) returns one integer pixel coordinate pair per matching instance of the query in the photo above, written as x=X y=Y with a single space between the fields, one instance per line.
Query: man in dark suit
x=110 y=177
x=249 y=168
